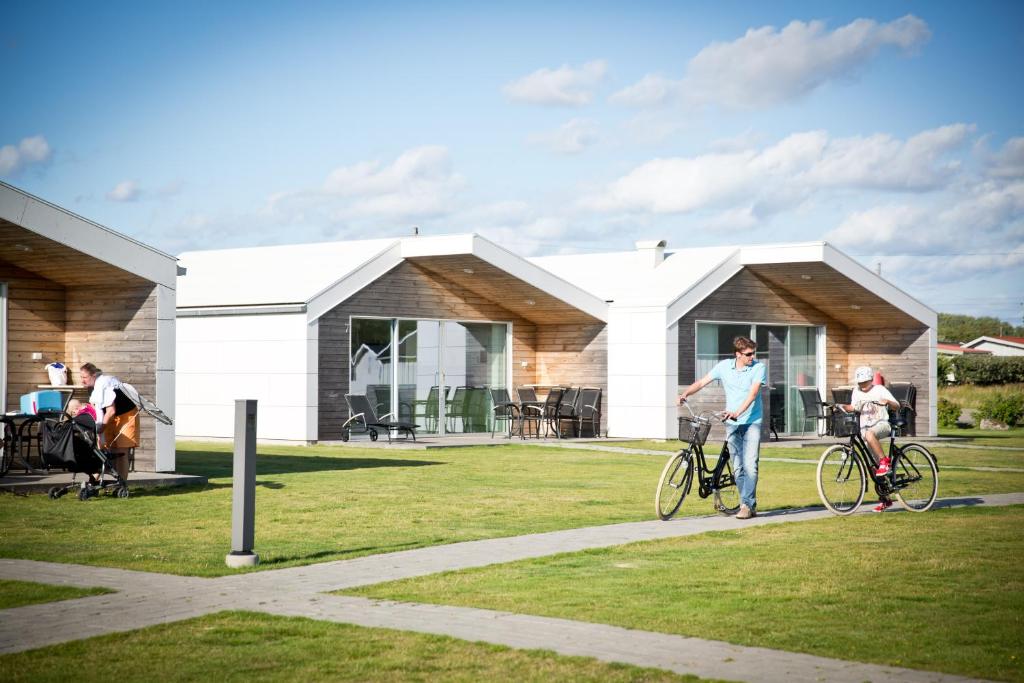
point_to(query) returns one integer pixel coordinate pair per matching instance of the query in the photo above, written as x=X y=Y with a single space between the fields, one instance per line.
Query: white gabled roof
x=1012 y=342
x=85 y=236
x=255 y=276
x=322 y=275
x=628 y=276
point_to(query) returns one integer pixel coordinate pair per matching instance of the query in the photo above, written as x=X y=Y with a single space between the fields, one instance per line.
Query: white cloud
x=572 y=137
x=125 y=191
x=564 y=86
x=1009 y=161
x=31 y=150
x=651 y=90
x=782 y=175
x=768 y=66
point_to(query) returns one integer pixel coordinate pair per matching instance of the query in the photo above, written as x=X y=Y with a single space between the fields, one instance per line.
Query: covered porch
x=73 y=291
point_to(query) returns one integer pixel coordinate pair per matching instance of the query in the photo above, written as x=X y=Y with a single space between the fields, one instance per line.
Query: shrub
x=1005 y=408
x=949 y=413
x=982 y=369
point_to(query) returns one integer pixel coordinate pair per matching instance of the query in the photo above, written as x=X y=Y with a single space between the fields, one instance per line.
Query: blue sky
x=893 y=130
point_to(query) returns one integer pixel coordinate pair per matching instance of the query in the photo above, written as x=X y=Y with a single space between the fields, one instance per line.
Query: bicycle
x=677 y=476
x=844 y=469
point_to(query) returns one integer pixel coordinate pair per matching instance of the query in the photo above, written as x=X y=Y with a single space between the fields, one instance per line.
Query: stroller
x=72 y=444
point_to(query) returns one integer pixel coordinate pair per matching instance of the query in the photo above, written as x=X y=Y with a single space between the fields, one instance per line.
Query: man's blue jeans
x=744 y=447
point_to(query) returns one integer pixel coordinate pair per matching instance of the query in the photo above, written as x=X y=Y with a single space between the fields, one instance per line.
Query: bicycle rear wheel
x=727 y=494
x=674 y=484
x=915 y=477
x=841 y=480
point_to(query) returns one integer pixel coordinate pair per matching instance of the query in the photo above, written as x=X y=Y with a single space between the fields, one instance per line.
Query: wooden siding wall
x=748 y=298
x=35 y=322
x=408 y=291
x=575 y=355
x=901 y=355
x=115 y=329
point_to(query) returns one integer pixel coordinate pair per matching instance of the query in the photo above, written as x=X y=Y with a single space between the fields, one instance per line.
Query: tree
x=959 y=329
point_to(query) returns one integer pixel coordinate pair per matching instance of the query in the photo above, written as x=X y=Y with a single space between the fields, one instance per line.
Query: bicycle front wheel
x=674 y=484
x=841 y=480
x=915 y=477
x=727 y=494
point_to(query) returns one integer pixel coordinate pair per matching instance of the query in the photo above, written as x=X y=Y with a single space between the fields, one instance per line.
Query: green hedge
x=971 y=369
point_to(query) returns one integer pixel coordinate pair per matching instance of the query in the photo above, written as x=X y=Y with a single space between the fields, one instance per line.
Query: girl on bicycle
x=872 y=401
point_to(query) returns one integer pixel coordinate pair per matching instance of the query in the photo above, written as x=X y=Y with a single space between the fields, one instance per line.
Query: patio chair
x=430 y=406
x=842 y=395
x=589 y=411
x=504 y=411
x=361 y=412
x=815 y=409
x=455 y=408
x=905 y=392
x=477 y=409
x=531 y=411
x=566 y=411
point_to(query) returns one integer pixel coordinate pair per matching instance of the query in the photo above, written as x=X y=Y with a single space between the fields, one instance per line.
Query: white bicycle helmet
x=863 y=374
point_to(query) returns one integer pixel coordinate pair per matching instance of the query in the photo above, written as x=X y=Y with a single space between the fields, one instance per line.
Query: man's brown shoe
x=745 y=513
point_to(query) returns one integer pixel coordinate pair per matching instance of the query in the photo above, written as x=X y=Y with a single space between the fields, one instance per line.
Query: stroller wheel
x=344 y=434
x=54 y=493
x=373 y=435
x=122 y=492
x=84 y=493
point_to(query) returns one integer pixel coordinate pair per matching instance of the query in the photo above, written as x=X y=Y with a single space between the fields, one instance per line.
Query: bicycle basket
x=694 y=430
x=845 y=424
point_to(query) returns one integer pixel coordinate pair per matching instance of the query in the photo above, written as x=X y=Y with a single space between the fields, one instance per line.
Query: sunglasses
x=748 y=354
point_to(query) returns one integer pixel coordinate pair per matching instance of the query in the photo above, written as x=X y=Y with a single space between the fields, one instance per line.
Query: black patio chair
x=815 y=409
x=566 y=411
x=589 y=411
x=842 y=395
x=504 y=411
x=531 y=411
x=361 y=412
x=906 y=394
x=550 y=414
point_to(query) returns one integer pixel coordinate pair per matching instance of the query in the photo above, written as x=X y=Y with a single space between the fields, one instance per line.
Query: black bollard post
x=243 y=491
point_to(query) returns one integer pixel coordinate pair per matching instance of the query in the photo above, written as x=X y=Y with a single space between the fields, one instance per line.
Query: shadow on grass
x=341 y=554
x=218 y=465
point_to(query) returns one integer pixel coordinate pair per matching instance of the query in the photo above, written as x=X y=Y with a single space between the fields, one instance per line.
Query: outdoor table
x=17 y=436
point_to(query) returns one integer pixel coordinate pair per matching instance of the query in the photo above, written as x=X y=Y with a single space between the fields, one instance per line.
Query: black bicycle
x=677 y=477
x=845 y=469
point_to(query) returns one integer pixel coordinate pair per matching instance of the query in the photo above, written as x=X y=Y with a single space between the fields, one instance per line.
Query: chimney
x=651 y=252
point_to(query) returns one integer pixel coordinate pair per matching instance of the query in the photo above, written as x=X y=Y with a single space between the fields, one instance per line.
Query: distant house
x=414 y=320
x=74 y=291
x=998 y=346
x=947 y=349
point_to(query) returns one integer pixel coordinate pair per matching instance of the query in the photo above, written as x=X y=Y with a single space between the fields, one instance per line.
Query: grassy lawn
x=972 y=395
x=321 y=503
x=21 y=593
x=941 y=591
x=240 y=646
x=1011 y=438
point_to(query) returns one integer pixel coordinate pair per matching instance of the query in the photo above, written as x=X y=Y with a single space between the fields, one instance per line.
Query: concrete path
x=145 y=599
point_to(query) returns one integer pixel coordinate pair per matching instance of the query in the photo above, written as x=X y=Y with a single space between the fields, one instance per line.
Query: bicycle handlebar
x=705 y=415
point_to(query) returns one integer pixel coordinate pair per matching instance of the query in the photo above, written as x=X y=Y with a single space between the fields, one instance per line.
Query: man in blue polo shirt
x=742 y=378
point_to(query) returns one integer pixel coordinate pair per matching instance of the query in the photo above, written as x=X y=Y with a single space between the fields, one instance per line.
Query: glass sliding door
x=370 y=370
x=475 y=361
x=419 y=394
x=803 y=372
x=441 y=376
x=772 y=343
x=791 y=356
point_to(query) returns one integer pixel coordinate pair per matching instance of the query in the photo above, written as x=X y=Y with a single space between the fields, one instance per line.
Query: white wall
x=270 y=358
x=642 y=373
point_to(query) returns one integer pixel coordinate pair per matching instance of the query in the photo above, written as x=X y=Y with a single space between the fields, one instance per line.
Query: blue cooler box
x=42 y=402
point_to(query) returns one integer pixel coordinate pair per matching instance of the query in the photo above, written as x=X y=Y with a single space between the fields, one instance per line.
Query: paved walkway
x=145 y=599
